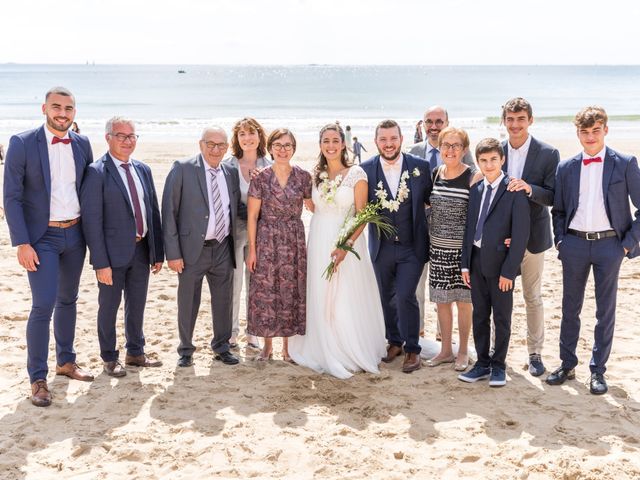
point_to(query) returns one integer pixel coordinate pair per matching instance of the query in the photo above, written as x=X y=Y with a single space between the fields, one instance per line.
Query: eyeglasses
x=438 y=123
x=215 y=146
x=282 y=146
x=121 y=137
x=457 y=147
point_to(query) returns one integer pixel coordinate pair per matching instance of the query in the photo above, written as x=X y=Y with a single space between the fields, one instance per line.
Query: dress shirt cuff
x=464 y=270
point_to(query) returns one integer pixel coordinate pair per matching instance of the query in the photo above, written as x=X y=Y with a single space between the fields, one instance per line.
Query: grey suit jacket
x=185 y=208
x=420 y=150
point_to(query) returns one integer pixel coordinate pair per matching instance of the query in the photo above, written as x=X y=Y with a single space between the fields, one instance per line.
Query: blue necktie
x=483 y=214
x=433 y=161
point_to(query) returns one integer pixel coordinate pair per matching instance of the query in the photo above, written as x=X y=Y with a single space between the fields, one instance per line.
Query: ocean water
x=168 y=104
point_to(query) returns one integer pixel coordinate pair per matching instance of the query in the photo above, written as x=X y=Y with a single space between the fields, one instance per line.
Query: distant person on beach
x=1 y=154
x=249 y=156
x=531 y=165
x=417 y=136
x=201 y=205
x=43 y=214
x=593 y=229
x=75 y=127
x=121 y=223
x=489 y=268
x=347 y=138
x=357 y=149
x=277 y=248
x=436 y=119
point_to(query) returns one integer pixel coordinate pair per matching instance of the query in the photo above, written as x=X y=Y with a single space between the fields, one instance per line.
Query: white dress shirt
x=494 y=189
x=392 y=173
x=64 y=197
x=427 y=154
x=591 y=215
x=139 y=190
x=224 y=198
x=517 y=158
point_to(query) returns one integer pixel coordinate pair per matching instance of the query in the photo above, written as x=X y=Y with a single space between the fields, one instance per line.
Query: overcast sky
x=450 y=32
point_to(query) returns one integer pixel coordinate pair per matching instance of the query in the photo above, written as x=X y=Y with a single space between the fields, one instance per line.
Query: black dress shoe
x=227 y=358
x=597 y=384
x=185 y=361
x=561 y=375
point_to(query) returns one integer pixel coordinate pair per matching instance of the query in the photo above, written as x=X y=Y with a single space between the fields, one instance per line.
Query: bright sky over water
x=454 y=32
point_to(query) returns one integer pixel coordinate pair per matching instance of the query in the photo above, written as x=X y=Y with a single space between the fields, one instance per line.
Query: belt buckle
x=593 y=236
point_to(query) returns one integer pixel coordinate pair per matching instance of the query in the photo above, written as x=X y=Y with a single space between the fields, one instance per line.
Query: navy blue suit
x=508 y=217
x=54 y=286
x=110 y=230
x=620 y=182
x=540 y=173
x=398 y=262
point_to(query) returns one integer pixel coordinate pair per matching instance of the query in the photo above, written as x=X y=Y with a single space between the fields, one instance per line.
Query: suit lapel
x=228 y=179
x=502 y=187
x=44 y=158
x=607 y=170
x=408 y=166
x=202 y=178
x=78 y=158
x=145 y=186
x=113 y=171
x=505 y=148
x=574 y=180
x=532 y=154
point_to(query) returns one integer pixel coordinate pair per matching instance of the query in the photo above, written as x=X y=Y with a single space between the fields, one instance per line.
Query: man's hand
x=27 y=257
x=176 y=265
x=156 y=267
x=104 y=275
x=466 y=278
x=517 y=184
x=504 y=284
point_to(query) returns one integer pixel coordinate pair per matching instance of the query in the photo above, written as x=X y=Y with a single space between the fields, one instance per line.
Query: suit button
x=203 y=235
x=206 y=216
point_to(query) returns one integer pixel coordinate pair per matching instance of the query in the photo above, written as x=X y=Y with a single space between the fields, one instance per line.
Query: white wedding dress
x=345 y=326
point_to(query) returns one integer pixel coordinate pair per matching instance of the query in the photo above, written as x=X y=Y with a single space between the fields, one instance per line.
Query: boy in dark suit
x=593 y=228
x=489 y=267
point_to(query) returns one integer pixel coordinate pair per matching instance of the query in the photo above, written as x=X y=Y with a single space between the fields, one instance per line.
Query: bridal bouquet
x=369 y=214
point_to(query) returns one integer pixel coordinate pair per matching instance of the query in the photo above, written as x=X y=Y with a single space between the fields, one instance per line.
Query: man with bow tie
x=402 y=183
x=43 y=173
x=593 y=229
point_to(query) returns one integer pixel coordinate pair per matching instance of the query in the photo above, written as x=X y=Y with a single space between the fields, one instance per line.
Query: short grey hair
x=108 y=128
x=65 y=92
x=214 y=128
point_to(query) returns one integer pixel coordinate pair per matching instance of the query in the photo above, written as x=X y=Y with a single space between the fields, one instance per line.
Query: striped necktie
x=219 y=232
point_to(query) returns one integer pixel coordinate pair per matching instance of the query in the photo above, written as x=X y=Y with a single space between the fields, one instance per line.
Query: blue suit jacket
x=540 y=172
x=508 y=217
x=108 y=221
x=27 y=182
x=620 y=181
x=420 y=187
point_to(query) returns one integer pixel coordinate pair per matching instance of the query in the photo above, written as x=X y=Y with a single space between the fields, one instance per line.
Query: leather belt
x=592 y=235
x=64 y=223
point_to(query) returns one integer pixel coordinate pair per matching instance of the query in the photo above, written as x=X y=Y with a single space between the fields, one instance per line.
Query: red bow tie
x=587 y=161
x=55 y=140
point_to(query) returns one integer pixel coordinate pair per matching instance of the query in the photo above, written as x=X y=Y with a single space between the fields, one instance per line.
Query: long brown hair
x=322 y=164
x=252 y=125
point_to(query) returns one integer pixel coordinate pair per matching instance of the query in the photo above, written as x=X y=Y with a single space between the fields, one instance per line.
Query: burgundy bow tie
x=55 y=140
x=587 y=161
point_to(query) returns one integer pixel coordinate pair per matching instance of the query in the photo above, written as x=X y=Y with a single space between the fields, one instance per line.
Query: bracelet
x=349 y=242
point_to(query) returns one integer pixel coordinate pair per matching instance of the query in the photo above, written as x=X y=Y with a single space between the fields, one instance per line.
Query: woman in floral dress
x=277 y=255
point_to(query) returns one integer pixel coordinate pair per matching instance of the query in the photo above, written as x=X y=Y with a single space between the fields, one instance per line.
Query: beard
x=56 y=126
x=393 y=156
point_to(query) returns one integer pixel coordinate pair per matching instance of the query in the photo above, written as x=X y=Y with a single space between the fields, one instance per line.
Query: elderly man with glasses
x=200 y=205
x=121 y=224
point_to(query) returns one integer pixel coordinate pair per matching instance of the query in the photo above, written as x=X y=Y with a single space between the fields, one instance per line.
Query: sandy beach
x=285 y=421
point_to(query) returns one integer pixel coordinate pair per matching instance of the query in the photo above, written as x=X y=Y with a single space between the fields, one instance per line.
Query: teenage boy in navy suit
x=489 y=267
x=593 y=228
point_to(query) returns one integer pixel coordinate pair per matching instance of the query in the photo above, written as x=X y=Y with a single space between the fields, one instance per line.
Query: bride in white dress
x=345 y=325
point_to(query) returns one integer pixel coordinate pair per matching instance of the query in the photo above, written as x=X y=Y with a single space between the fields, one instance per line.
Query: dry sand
x=284 y=421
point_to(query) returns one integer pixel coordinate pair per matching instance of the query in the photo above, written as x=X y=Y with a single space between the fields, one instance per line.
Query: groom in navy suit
x=42 y=177
x=402 y=182
x=124 y=235
x=593 y=229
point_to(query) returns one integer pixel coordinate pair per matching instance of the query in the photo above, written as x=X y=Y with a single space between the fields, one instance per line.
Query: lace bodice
x=343 y=200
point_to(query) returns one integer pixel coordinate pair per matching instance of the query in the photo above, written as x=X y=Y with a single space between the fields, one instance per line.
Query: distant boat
x=182 y=71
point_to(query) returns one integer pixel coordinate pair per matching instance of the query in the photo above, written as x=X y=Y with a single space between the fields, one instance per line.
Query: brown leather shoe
x=40 y=395
x=114 y=369
x=72 y=370
x=393 y=351
x=141 y=361
x=411 y=363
